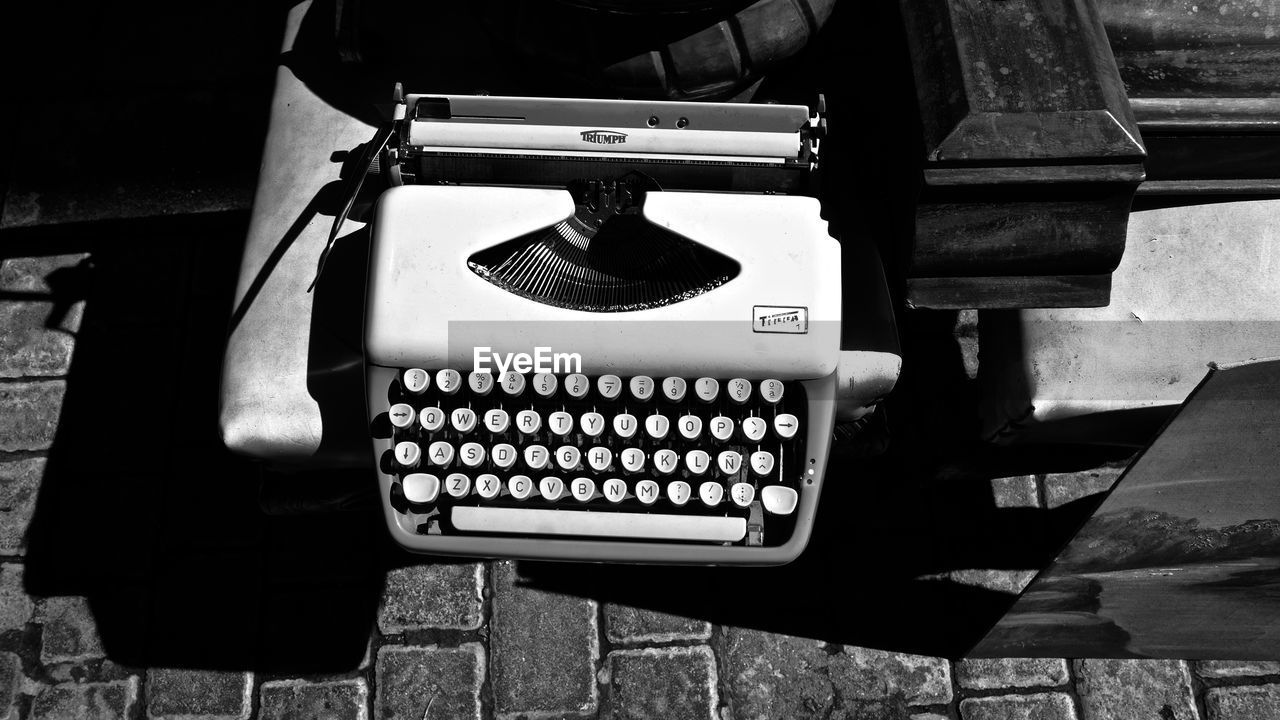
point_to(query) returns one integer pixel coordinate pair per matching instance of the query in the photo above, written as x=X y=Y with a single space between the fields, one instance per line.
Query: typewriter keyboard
x=703 y=460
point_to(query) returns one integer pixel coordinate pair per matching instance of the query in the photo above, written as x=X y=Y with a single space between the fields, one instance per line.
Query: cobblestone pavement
x=471 y=640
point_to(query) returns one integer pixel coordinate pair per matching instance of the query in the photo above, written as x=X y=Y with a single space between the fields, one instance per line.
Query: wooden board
x=1031 y=153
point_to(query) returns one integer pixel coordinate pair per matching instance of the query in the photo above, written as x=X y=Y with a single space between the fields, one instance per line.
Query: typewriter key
x=711 y=493
x=592 y=424
x=545 y=384
x=496 y=420
x=551 y=488
x=786 y=425
x=771 y=390
x=480 y=382
x=568 y=457
x=666 y=461
x=679 y=492
x=528 y=422
x=753 y=428
x=707 y=389
x=401 y=415
x=730 y=462
x=690 y=427
x=463 y=420
x=503 y=455
x=488 y=487
x=520 y=487
x=657 y=426
x=647 y=492
x=449 y=381
x=762 y=462
x=642 y=388
x=408 y=454
x=698 y=461
x=609 y=386
x=440 y=454
x=721 y=427
x=615 y=490
x=421 y=487
x=416 y=380
x=536 y=457
x=778 y=499
x=577 y=386
x=432 y=419
x=583 y=489
x=624 y=425
x=472 y=454
x=457 y=485
x=599 y=458
x=632 y=460
x=560 y=423
x=512 y=383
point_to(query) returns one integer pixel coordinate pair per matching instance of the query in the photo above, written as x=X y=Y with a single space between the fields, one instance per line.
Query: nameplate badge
x=780 y=319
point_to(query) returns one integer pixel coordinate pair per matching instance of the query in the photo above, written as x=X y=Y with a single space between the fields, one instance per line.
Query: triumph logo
x=603 y=137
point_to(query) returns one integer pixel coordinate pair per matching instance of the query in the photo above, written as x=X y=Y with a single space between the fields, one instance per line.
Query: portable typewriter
x=606 y=330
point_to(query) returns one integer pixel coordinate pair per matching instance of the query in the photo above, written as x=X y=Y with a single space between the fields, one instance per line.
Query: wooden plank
x=1031 y=154
x=1194 y=48
x=1021 y=80
x=1021 y=232
x=1009 y=292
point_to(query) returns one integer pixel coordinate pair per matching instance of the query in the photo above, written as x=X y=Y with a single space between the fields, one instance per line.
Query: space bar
x=599 y=524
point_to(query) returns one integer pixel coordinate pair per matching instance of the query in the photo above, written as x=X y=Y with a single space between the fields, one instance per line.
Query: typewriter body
x=605 y=331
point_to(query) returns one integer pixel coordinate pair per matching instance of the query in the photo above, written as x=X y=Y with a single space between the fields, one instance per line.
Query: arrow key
x=401 y=415
x=786 y=425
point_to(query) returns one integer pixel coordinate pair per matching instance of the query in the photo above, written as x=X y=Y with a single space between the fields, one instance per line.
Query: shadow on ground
x=141 y=508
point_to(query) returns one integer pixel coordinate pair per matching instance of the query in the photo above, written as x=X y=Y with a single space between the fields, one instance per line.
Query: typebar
x=618 y=525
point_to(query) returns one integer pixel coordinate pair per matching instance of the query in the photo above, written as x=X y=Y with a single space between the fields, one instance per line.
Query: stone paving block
x=69 y=632
x=866 y=674
x=181 y=694
x=1062 y=488
x=1040 y=706
x=29 y=413
x=19 y=487
x=1237 y=668
x=544 y=647
x=625 y=624
x=303 y=700
x=675 y=683
x=1015 y=492
x=27 y=346
x=429 y=682
x=991 y=674
x=10 y=682
x=16 y=606
x=1123 y=689
x=87 y=701
x=1247 y=702
x=437 y=595
x=776 y=677
x=1006 y=581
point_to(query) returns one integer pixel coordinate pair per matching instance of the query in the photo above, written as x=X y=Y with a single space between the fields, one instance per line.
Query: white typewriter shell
x=421 y=288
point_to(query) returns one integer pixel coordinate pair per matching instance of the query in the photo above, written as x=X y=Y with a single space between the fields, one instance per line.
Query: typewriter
x=606 y=330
